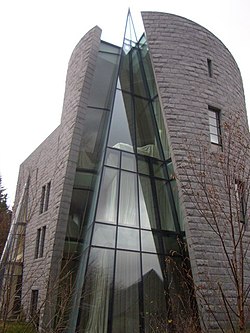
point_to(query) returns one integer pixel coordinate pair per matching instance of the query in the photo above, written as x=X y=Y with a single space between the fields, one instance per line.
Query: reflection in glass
x=107 y=203
x=128 y=239
x=145 y=131
x=97 y=292
x=104 y=235
x=177 y=205
x=106 y=69
x=161 y=127
x=146 y=200
x=155 y=304
x=167 y=221
x=112 y=157
x=121 y=133
x=128 y=161
x=128 y=203
x=78 y=214
x=149 y=243
x=143 y=166
x=126 y=297
x=94 y=132
x=84 y=180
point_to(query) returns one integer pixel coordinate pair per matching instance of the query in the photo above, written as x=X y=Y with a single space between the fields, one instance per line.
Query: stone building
x=125 y=214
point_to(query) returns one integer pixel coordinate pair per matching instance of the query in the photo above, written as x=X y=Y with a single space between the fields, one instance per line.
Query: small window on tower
x=209 y=67
x=214 y=125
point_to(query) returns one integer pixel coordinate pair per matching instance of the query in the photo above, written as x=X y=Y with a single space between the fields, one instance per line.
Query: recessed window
x=40 y=240
x=240 y=200
x=214 y=125
x=209 y=67
x=44 y=202
x=34 y=313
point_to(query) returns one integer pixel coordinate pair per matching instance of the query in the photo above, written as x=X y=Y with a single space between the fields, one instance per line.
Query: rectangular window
x=38 y=236
x=47 y=196
x=44 y=203
x=240 y=200
x=40 y=240
x=34 y=313
x=209 y=67
x=42 y=199
x=214 y=125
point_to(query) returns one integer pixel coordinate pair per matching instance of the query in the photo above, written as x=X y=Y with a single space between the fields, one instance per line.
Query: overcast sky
x=38 y=36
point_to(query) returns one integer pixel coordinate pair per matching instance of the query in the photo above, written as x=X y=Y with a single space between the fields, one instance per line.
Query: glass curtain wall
x=137 y=234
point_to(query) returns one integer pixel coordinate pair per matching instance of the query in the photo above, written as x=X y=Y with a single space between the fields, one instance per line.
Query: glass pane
x=161 y=127
x=143 y=165
x=148 y=69
x=149 y=242
x=94 y=132
x=146 y=200
x=128 y=203
x=104 y=235
x=171 y=245
x=171 y=172
x=155 y=297
x=177 y=204
x=106 y=47
x=113 y=157
x=128 y=239
x=126 y=298
x=84 y=180
x=214 y=138
x=106 y=71
x=78 y=214
x=139 y=85
x=121 y=130
x=145 y=131
x=163 y=199
x=107 y=203
x=213 y=130
x=97 y=292
x=128 y=161
x=159 y=169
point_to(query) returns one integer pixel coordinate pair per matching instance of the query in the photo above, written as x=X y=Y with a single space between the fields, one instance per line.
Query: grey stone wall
x=55 y=161
x=179 y=50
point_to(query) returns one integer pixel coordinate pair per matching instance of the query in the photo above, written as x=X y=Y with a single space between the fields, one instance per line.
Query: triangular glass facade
x=123 y=282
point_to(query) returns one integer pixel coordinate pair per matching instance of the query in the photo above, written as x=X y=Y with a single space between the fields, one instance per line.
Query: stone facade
x=180 y=51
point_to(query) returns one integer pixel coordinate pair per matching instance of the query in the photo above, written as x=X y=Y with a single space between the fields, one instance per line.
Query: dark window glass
x=46 y=205
x=97 y=292
x=209 y=67
x=42 y=199
x=163 y=200
x=84 y=180
x=147 y=143
x=94 y=132
x=78 y=214
x=38 y=236
x=240 y=201
x=155 y=301
x=128 y=203
x=34 y=312
x=42 y=241
x=126 y=298
x=104 y=80
x=107 y=203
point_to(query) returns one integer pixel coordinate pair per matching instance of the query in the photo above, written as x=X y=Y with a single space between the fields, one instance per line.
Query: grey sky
x=37 y=38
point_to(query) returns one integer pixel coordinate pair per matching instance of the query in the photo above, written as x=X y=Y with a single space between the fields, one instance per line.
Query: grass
x=17 y=327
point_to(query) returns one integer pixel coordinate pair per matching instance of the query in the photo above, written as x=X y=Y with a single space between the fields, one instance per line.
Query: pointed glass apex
x=130 y=38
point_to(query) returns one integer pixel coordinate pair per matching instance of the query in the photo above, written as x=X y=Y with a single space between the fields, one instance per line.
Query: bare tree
x=218 y=187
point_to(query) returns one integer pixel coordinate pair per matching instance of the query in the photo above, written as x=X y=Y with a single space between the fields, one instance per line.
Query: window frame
x=217 y=118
